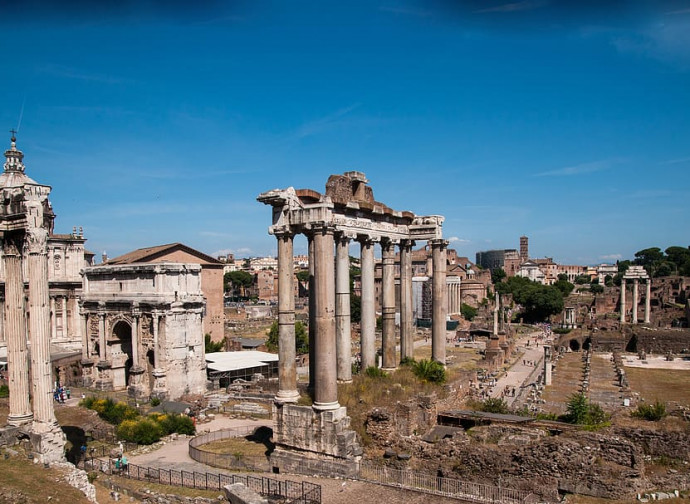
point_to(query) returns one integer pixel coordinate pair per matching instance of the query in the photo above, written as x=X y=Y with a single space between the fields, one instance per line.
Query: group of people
x=61 y=394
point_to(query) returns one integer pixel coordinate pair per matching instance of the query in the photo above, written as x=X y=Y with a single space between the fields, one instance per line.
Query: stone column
x=53 y=318
x=39 y=330
x=312 y=313
x=622 y=300
x=84 y=338
x=648 y=301
x=17 y=351
x=156 y=347
x=547 y=365
x=287 y=367
x=438 y=321
x=135 y=337
x=406 y=323
x=65 y=322
x=101 y=333
x=342 y=309
x=388 y=305
x=636 y=300
x=498 y=300
x=368 y=306
x=325 y=379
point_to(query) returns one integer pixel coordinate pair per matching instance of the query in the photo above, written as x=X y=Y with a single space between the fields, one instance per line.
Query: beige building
x=211 y=278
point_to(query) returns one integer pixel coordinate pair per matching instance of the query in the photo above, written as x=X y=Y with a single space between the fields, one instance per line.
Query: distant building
x=495 y=259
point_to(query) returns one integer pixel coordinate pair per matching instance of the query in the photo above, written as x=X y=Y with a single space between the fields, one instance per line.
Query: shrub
x=408 y=361
x=494 y=405
x=561 y=330
x=155 y=401
x=583 y=412
x=468 y=312
x=650 y=412
x=145 y=431
x=4 y=391
x=374 y=372
x=430 y=371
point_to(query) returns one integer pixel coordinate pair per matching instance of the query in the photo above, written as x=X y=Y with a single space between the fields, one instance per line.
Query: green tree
x=355 y=308
x=583 y=279
x=240 y=280
x=302 y=276
x=468 y=312
x=538 y=301
x=563 y=277
x=494 y=405
x=596 y=289
x=301 y=338
x=213 y=346
x=564 y=286
x=497 y=275
x=608 y=281
x=650 y=258
x=430 y=371
x=582 y=411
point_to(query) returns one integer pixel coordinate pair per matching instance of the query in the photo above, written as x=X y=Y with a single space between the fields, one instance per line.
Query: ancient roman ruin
x=346 y=212
x=26 y=219
x=636 y=273
x=143 y=329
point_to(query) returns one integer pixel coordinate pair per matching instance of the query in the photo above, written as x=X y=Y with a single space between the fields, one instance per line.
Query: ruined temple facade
x=346 y=212
x=26 y=222
x=143 y=329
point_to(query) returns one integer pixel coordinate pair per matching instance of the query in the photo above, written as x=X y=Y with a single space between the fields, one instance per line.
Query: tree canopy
x=538 y=301
x=239 y=280
x=301 y=338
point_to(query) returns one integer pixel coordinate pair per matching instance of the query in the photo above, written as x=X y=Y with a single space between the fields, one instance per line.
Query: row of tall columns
x=647 y=302
x=330 y=347
x=454 y=297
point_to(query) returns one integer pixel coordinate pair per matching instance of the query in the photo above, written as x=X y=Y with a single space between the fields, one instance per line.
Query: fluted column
x=648 y=301
x=438 y=301
x=287 y=367
x=53 y=318
x=101 y=334
x=84 y=338
x=156 y=344
x=498 y=300
x=135 y=337
x=312 y=313
x=39 y=331
x=65 y=322
x=17 y=351
x=406 y=323
x=622 y=300
x=325 y=380
x=342 y=309
x=636 y=300
x=388 y=305
x=368 y=306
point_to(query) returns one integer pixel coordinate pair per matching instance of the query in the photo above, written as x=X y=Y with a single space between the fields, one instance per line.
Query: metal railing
x=292 y=491
x=227 y=460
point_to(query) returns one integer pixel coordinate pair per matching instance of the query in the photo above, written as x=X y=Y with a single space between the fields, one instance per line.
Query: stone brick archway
x=120 y=344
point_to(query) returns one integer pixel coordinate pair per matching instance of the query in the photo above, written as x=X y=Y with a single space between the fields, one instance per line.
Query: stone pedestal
x=87 y=373
x=137 y=388
x=313 y=441
x=104 y=380
x=493 y=354
x=48 y=441
x=160 y=389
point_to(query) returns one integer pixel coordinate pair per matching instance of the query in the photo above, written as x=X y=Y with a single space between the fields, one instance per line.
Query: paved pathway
x=518 y=375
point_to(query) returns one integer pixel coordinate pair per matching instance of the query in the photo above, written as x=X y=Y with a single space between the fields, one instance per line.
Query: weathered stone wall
x=601 y=465
x=657 y=443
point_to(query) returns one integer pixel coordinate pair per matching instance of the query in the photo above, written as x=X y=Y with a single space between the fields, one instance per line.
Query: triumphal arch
x=346 y=212
x=26 y=217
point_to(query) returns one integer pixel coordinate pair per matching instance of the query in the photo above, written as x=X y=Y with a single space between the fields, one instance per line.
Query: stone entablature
x=143 y=329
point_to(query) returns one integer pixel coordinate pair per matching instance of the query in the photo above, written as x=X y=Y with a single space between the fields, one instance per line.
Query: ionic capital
x=323 y=228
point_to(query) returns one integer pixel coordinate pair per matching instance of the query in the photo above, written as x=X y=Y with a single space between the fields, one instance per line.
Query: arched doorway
x=574 y=345
x=121 y=353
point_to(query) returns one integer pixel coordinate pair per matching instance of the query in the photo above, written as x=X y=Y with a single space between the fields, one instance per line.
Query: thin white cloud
x=406 y=11
x=318 y=125
x=579 y=169
x=455 y=239
x=515 y=6
x=667 y=41
x=676 y=161
x=236 y=252
x=611 y=257
x=78 y=74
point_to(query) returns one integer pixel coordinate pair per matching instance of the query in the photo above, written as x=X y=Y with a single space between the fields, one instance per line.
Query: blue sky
x=156 y=122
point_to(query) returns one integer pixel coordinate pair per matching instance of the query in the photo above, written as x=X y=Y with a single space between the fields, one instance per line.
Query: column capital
x=368 y=239
x=438 y=243
x=37 y=241
x=322 y=228
x=284 y=233
x=408 y=244
x=12 y=244
x=344 y=237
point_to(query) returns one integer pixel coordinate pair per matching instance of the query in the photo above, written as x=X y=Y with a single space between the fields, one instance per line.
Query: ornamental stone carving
x=37 y=241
